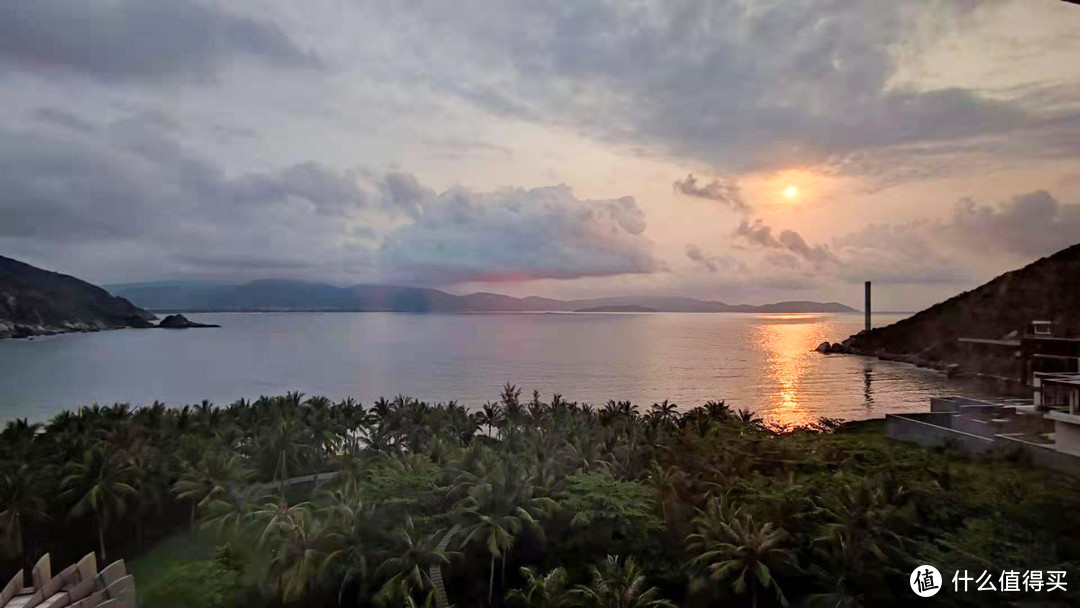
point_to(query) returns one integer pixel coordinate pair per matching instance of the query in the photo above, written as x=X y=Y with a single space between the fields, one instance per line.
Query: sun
x=791 y=192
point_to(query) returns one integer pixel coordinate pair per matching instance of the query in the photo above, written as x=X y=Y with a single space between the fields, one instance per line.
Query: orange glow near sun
x=791 y=192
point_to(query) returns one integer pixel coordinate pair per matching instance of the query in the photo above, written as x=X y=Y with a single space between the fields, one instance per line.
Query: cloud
x=714 y=263
x=1029 y=225
x=726 y=191
x=516 y=234
x=131 y=190
x=404 y=191
x=817 y=255
x=975 y=242
x=62 y=118
x=902 y=254
x=741 y=86
x=757 y=233
x=696 y=254
x=132 y=39
x=882 y=253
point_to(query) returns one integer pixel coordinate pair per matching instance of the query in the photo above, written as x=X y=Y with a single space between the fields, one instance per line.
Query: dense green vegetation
x=525 y=502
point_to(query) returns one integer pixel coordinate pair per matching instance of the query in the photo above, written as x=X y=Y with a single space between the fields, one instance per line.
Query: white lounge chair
x=112 y=573
x=13 y=588
x=31 y=597
x=122 y=590
x=91 y=601
x=87 y=566
x=42 y=572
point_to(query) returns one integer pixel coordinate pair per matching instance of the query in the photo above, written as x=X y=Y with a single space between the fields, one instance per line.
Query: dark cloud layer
x=515 y=234
x=130 y=186
x=133 y=39
x=743 y=86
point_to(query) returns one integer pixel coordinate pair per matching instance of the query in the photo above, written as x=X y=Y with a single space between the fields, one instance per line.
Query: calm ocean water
x=762 y=362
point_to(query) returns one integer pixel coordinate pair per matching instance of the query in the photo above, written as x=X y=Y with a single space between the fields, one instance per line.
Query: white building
x=1059 y=396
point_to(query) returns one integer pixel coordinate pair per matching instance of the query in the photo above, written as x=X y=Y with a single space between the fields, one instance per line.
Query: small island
x=179 y=321
x=625 y=308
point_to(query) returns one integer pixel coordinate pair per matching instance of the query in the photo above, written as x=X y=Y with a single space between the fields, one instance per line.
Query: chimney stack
x=867 y=306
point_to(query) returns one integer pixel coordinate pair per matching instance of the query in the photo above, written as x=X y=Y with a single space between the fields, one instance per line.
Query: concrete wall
x=974 y=426
x=931 y=430
x=1005 y=421
x=1041 y=455
x=1067 y=436
x=952 y=404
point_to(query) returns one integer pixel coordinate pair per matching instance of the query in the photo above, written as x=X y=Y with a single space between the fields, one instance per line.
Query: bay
x=764 y=362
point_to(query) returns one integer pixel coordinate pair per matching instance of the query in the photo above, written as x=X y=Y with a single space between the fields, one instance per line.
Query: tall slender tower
x=867 y=306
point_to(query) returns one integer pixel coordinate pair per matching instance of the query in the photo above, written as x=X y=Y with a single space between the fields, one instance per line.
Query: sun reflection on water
x=788 y=344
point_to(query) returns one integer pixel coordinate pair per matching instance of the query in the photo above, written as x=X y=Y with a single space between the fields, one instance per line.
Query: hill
x=300 y=295
x=38 y=302
x=1047 y=289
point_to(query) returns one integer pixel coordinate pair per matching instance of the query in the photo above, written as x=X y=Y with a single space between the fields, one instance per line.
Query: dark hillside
x=1047 y=289
x=38 y=302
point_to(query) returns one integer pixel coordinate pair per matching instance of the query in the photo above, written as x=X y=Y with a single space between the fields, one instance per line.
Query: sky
x=745 y=151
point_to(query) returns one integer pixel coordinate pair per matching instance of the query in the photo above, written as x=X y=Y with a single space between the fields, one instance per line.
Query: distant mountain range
x=298 y=295
x=38 y=302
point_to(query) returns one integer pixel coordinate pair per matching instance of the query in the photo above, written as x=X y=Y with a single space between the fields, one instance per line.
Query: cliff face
x=1048 y=289
x=38 y=302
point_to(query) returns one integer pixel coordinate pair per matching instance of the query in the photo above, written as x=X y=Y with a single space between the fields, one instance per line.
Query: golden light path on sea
x=788 y=341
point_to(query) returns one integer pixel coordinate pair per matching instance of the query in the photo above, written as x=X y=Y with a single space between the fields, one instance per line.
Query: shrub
x=196 y=584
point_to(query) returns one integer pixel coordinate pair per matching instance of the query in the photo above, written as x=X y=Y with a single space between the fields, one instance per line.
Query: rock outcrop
x=35 y=302
x=179 y=321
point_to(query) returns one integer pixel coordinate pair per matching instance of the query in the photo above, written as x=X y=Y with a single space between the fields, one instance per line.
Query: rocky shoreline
x=951 y=369
x=17 y=331
x=23 y=331
x=845 y=348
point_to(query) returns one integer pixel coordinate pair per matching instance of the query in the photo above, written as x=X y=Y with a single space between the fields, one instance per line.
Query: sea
x=762 y=362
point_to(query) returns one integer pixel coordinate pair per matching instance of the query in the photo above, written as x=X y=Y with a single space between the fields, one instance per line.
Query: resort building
x=1059 y=396
x=1045 y=428
x=1020 y=356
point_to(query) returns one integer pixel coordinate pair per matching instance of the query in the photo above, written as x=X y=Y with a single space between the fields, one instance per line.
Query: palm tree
x=666 y=481
x=22 y=502
x=664 y=412
x=18 y=435
x=216 y=475
x=150 y=479
x=733 y=549
x=717 y=410
x=541 y=591
x=99 y=483
x=282 y=440
x=490 y=416
x=862 y=524
x=300 y=544
x=325 y=430
x=750 y=419
x=411 y=568
x=345 y=512
x=496 y=510
x=617 y=584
